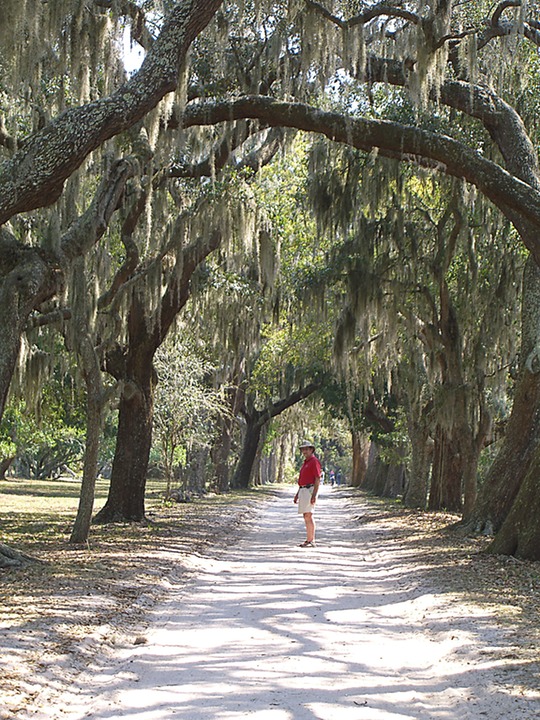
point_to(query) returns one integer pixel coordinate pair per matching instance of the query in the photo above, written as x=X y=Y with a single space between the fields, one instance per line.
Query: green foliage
x=50 y=453
x=186 y=405
x=46 y=431
x=43 y=450
x=290 y=357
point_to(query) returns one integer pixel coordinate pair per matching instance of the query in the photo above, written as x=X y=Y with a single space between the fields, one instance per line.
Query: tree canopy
x=408 y=134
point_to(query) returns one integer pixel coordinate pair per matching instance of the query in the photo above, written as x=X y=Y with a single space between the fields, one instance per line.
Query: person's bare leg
x=310 y=527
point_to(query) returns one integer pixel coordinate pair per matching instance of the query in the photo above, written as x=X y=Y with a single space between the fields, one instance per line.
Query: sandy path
x=270 y=631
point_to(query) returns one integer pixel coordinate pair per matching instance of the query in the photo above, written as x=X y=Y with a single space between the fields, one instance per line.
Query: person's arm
x=315 y=490
x=296 y=498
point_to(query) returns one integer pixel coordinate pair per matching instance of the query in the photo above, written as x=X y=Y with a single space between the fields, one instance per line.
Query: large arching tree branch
x=276 y=408
x=255 y=422
x=499 y=118
x=490 y=28
x=92 y=224
x=217 y=158
x=402 y=142
x=382 y=9
x=35 y=176
x=178 y=289
x=29 y=276
x=502 y=122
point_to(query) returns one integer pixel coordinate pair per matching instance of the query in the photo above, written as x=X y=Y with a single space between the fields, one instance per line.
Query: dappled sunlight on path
x=270 y=631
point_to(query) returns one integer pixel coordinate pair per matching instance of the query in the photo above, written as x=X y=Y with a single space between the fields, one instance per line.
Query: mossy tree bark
x=255 y=422
x=125 y=501
x=416 y=491
x=132 y=365
x=446 y=474
x=513 y=462
x=360 y=453
x=519 y=534
x=35 y=175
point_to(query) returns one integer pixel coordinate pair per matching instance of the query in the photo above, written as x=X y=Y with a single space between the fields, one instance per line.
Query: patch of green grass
x=38 y=515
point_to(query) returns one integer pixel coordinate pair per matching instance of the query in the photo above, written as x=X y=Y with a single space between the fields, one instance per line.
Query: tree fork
x=34 y=177
x=395 y=140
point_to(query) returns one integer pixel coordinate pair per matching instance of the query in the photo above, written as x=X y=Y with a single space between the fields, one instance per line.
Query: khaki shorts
x=304 y=500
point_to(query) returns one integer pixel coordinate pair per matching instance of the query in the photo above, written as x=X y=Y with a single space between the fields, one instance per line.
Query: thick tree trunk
x=455 y=463
x=472 y=447
x=519 y=534
x=221 y=450
x=244 y=469
x=257 y=477
x=416 y=491
x=383 y=479
x=196 y=470
x=220 y=455
x=268 y=469
x=395 y=482
x=447 y=473
x=513 y=461
x=256 y=421
x=125 y=501
x=134 y=367
x=470 y=443
x=4 y=466
x=470 y=481
x=371 y=477
x=457 y=439
x=360 y=452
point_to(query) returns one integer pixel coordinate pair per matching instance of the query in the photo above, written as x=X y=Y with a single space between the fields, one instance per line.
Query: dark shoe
x=307 y=543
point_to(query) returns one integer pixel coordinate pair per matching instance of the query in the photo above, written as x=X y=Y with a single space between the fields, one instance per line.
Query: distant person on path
x=308 y=487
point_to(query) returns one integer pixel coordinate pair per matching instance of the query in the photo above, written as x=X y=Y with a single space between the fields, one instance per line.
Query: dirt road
x=349 y=630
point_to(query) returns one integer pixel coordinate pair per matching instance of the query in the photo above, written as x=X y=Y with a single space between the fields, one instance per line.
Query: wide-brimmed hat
x=307 y=444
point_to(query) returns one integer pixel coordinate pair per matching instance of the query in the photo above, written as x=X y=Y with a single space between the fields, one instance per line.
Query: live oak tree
x=302 y=65
x=413 y=274
x=64 y=96
x=445 y=59
x=261 y=356
x=287 y=370
x=212 y=215
x=39 y=160
x=105 y=117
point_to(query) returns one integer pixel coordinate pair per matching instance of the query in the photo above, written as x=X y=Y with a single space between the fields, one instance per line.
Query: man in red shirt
x=308 y=487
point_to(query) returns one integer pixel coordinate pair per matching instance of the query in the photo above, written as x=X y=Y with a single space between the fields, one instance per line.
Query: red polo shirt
x=310 y=471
